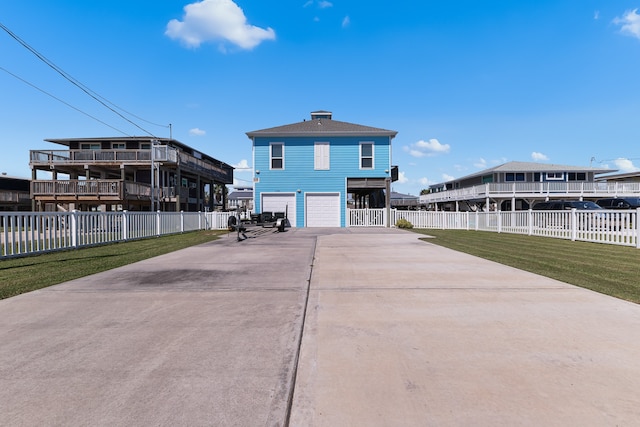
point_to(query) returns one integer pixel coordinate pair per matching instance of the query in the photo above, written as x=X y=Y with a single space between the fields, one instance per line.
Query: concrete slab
x=402 y=332
x=205 y=336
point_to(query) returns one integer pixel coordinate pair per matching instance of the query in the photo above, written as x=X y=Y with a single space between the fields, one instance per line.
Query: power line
x=78 y=84
x=62 y=101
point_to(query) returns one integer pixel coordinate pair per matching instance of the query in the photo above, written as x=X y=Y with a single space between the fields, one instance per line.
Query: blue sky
x=467 y=84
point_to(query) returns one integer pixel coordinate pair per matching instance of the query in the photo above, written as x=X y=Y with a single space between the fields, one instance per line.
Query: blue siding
x=299 y=172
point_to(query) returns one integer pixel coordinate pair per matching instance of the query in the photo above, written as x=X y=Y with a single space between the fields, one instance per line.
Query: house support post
x=387 y=201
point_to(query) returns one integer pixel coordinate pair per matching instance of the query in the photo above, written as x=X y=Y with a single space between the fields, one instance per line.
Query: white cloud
x=402 y=179
x=425 y=181
x=629 y=23
x=538 y=156
x=447 y=177
x=429 y=148
x=197 y=132
x=625 y=165
x=210 y=20
x=596 y=15
x=346 y=22
x=322 y=4
x=242 y=166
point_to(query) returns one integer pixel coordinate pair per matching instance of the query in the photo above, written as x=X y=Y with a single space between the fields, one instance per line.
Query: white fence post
x=181 y=221
x=530 y=221
x=158 y=225
x=74 y=228
x=125 y=226
x=637 y=224
x=573 y=221
x=499 y=221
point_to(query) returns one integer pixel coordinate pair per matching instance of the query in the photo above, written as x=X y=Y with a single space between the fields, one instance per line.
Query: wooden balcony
x=52 y=158
x=102 y=191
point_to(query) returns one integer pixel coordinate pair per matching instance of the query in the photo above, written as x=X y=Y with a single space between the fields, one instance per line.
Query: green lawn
x=608 y=269
x=20 y=275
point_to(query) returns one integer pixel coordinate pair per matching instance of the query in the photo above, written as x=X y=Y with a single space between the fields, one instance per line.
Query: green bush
x=403 y=223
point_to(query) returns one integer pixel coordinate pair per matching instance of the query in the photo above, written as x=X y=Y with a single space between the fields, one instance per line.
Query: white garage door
x=280 y=202
x=322 y=210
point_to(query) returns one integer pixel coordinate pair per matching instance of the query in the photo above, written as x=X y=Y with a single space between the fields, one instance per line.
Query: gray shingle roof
x=528 y=167
x=322 y=127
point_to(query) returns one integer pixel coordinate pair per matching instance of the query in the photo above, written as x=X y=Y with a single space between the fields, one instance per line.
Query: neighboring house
x=620 y=178
x=518 y=185
x=404 y=201
x=310 y=169
x=130 y=173
x=14 y=194
x=241 y=198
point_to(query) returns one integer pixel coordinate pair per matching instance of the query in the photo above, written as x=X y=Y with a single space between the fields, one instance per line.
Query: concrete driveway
x=396 y=332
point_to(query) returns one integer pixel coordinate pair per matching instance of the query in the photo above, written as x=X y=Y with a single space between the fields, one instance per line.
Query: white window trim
x=373 y=155
x=318 y=162
x=271 y=155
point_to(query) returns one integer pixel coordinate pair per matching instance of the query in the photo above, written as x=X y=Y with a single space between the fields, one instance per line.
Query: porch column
x=34 y=177
x=178 y=188
x=199 y=193
x=387 y=199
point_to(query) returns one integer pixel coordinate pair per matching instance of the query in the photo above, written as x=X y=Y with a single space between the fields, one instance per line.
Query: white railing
x=618 y=227
x=366 y=217
x=535 y=189
x=25 y=233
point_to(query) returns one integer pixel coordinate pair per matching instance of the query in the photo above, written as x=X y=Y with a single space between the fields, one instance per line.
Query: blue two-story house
x=311 y=169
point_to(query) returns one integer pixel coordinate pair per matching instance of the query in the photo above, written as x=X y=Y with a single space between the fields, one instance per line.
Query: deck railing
x=26 y=233
x=535 y=189
x=162 y=153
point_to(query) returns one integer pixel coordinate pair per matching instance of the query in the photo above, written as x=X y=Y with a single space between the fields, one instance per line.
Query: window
x=555 y=175
x=90 y=146
x=118 y=145
x=366 y=155
x=277 y=155
x=511 y=176
x=321 y=156
x=577 y=176
x=145 y=146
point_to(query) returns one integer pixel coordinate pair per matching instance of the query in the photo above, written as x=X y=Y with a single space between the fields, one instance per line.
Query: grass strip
x=20 y=275
x=609 y=269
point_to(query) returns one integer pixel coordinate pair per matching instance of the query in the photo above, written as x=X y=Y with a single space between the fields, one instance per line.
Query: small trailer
x=277 y=220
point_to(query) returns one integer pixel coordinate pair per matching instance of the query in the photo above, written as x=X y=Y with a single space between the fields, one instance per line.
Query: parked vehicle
x=620 y=203
x=590 y=221
x=561 y=205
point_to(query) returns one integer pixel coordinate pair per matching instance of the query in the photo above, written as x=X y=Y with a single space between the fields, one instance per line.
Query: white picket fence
x=24 y=233
x=606 y=226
